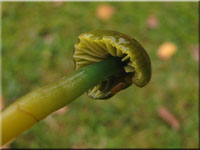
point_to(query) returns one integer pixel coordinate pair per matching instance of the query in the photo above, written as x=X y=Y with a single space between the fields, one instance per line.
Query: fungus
x=98 y=45
x=105 y=62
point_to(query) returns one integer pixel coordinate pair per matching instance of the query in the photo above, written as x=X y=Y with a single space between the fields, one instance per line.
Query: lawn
x=37 y=45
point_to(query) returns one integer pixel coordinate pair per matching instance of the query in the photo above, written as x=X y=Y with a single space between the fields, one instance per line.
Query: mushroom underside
x=90 y=51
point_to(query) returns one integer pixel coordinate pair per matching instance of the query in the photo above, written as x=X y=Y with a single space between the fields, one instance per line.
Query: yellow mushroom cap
x=97 y=45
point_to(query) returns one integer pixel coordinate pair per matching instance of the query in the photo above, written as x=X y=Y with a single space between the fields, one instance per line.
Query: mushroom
x=98 y=45
x=105 y=62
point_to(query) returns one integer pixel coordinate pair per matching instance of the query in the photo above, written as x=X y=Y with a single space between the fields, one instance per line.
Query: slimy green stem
x=35 y=106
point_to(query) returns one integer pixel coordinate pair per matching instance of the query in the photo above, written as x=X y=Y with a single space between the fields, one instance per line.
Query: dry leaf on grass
x=51 y=122
x=57 y=3
x=48 y=39
x=166 y=50
x=168 y=117
x=105 y=11
x=152 y=22
x=61 y=111
x=6 y=146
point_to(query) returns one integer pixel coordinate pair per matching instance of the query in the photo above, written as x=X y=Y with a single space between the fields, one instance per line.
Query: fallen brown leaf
x=105 y=11
x=152 y=22
x=51 y=122
x=168 y=117
x=57 y=3
x=48 y=39
x=6 y=146
x=61 y=111
x=166 y=50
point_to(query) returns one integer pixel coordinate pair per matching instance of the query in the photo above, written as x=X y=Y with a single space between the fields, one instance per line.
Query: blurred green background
x=37 y=48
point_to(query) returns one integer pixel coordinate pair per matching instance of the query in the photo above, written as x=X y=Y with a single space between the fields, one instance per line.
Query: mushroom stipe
x=105 y=62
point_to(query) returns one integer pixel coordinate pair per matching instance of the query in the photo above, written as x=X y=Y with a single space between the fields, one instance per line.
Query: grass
x=37 y=48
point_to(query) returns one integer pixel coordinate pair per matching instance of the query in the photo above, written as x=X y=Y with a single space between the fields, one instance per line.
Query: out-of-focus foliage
x=37 y=48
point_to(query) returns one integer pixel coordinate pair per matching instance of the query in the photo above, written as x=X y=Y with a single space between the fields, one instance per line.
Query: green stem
x=29 y=109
